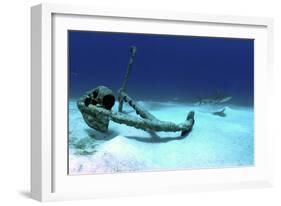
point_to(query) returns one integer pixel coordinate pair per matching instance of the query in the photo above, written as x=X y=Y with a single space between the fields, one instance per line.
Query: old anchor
x=96 y=106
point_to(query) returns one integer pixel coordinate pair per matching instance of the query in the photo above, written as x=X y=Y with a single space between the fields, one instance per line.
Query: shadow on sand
x=101 y=136
x=154 y=137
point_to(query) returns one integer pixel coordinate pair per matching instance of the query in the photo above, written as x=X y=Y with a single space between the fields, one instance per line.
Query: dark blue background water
x=165 y=66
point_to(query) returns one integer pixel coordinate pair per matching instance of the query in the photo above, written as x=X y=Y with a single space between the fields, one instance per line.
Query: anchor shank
x=133 y=51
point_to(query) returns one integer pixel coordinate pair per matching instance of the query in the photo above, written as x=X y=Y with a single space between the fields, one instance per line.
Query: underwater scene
x=154 y=102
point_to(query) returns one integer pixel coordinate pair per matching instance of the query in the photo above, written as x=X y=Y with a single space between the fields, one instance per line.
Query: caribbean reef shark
x=218 y=98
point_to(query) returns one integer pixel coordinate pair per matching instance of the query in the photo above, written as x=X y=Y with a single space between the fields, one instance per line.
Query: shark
x=217 y=98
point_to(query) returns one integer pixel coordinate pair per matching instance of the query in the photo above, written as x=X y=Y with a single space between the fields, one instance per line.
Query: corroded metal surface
x=96 y=106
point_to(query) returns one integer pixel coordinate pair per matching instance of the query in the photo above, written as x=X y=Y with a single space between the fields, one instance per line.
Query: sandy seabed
x=214 y=142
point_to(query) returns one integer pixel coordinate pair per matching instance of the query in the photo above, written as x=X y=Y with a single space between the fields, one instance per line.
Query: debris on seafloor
x=96 y=107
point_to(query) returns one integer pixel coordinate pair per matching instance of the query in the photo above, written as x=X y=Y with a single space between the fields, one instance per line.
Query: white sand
x=214 y=142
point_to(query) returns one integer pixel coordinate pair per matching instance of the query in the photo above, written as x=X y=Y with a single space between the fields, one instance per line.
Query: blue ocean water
x=170 y=74
x=165 y=66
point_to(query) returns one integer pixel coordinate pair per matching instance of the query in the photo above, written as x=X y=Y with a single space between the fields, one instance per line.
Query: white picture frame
x=49 y=179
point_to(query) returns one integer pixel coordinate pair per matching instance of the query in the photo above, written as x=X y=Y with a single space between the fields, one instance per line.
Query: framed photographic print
x=134 y=102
